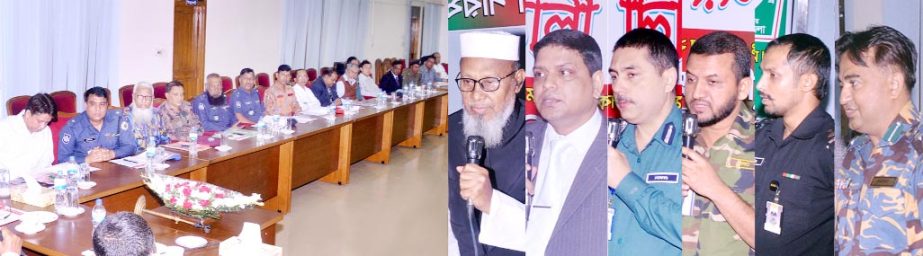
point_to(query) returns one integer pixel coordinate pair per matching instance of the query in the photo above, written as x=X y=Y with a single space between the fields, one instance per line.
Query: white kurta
x=21 y=151
x=307 y=101
x=557 y=169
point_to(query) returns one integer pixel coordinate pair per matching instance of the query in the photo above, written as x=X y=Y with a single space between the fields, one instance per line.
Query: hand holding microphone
x=474 y=180
x=690 y=129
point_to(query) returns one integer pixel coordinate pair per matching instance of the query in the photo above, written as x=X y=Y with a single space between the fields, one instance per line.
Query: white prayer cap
x=492 y=45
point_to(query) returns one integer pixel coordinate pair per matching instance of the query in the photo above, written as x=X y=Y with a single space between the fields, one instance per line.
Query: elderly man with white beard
x=143 y=115
x=489 y=79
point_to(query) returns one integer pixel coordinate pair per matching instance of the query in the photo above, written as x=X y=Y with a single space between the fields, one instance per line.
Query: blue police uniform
x=78 y=137
x=247 y=104
x=213 y=118
x=647 y=203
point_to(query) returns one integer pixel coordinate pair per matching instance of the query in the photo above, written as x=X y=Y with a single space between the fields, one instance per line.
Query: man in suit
x=489 y=79
x=567 y=215
x=392 y=80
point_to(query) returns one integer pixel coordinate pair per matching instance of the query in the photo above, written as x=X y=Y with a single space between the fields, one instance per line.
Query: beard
x=724 y=110
x=217 y=101
x=491 y=130
x=142 y=115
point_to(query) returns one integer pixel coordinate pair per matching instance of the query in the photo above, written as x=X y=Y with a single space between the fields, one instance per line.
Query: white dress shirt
x=561 y=156
x=307 y=101
x=367 y=86
x=341 y=88
x=21 y=151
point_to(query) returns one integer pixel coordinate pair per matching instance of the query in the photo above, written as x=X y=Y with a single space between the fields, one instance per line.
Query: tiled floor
x=393 y=209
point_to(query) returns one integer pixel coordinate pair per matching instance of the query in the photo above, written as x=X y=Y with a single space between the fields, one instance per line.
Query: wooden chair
x=125 y=95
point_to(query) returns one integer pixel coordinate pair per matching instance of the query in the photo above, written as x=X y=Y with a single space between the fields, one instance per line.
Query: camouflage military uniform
x=280 y=100
x=878 y=191
x=178 y=121
x=410 y=77
x=706 y=232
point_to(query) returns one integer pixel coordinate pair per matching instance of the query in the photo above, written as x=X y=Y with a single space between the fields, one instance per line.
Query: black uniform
x=802 y=165
x=506 y=164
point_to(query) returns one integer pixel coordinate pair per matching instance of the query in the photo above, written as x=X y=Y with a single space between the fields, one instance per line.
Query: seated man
x=176 y=114
x=322 y=88
x=280 y=98
x=306 y=99
x=123 y=234
x=246 y=99
x=367 y=84
x=98 y=134
x=392 y=80
x=412 y=74
x=145 y=118
x=347 y=86
x=428 y=73
x=26 y=138
x=212 y=106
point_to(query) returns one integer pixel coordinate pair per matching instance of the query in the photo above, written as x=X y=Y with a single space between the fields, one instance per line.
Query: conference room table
x=321 y=149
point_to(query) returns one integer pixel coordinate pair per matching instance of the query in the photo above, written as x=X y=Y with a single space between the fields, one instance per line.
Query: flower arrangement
x=198 y=199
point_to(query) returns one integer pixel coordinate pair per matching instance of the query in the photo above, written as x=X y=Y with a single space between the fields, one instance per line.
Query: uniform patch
x=215 y=117
x=201 y=106
x=882 y=181
x=124 y=126
x=238 y=104
x=662 y=177
x=791 y=175
x=66 y=138
x=250 y=113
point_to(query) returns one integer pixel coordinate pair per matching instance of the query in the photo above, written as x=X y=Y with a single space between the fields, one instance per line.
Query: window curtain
x=317 y=33
x=53 y=45
x=433 y=17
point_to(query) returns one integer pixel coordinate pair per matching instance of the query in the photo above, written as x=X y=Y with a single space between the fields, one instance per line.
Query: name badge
x=882 y=181
x=773 y=218
x=662 y=177
x=90 y=139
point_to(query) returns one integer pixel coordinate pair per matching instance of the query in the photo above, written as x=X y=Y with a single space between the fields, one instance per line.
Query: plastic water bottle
x=99 y=212
x=60 y=192
x=150 y=151
x=194 y=142
x=381 y=98
x=74 y=171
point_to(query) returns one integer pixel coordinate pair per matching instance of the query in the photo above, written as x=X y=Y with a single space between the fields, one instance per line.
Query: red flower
x=187 y=205
x=204 y=203
x=187 y=191
x=219 y=195
x=204 y=189
x=173 y=201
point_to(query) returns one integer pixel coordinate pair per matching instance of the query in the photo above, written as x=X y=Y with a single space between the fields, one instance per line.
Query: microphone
x=530 y=174
x=474 y=153
x=690 y=129
x=475 y=149
x=616 y=127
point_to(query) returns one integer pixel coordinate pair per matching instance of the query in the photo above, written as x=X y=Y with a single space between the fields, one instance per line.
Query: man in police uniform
x=879 y=184
x=245 y=99
x=489 y=79
x=719 y=171
x=212 y=106
x=795 y=178
x=644 y=173
x=98 y=134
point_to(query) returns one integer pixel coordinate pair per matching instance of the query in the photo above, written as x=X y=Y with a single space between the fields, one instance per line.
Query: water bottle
x=72 y=196
x=381 y=98
x=74 y=171
x=150 y=151
x=193 y=142
x=60 y=192
x=99 y=212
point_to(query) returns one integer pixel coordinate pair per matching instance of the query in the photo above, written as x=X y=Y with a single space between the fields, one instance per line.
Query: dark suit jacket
x=325 y=95
x=389 y=84
x=506 y=164
x=581 y=226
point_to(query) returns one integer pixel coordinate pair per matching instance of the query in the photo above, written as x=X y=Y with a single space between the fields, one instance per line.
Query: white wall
x=243 y=33
x=145 y=40
x=389 y=29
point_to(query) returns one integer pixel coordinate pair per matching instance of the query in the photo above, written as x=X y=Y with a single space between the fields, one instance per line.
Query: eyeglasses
x=488 y=84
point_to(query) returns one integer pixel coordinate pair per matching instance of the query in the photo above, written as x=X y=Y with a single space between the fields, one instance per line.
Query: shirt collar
x=580 y=138
x=900 y=126
x=812 y=125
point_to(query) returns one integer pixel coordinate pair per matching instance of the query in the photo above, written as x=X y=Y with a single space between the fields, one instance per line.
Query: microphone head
x=690 y=124
x=475 y=149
